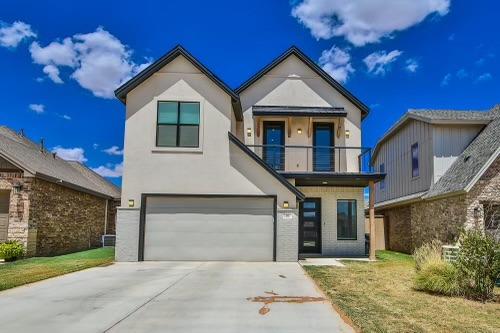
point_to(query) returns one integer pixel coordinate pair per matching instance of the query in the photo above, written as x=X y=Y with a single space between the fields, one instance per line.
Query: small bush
x=11 y=250
x=438 y=277
x=427 y=254
x=478 y=264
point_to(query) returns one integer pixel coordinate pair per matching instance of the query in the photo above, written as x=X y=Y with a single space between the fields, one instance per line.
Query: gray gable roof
x=473 y=161
x=434 y=117
x=25 y=154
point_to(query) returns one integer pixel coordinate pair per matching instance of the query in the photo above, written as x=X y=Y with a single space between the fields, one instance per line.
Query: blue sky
x=60 y=63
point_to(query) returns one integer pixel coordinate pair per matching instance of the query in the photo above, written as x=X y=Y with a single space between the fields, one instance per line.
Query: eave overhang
x=348 y=179
x=298 y=111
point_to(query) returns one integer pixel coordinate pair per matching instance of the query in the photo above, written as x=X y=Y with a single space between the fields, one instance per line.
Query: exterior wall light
x=17 y=187
x=299 y=131
x=477 y=213
x=285 y=204
x=347 y=134
x=131 y=203
x=249 y=131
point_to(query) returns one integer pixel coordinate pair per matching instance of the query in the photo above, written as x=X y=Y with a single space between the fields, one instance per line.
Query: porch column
x=371 y=185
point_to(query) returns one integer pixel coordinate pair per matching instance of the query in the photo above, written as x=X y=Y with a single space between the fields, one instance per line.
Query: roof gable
x=122 y=91
x=294 y=51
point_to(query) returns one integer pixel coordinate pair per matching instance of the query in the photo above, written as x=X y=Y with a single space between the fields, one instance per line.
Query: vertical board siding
x=395 y=153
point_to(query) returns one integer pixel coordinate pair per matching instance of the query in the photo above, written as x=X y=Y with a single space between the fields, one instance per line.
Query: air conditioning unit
x=108 y=240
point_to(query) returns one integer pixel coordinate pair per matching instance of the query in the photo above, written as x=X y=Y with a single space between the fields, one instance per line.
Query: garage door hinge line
x=152 y=298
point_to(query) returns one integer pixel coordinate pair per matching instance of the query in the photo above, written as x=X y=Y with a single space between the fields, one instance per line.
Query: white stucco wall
x=217 y=167
x=293 y=83
x=331 y=246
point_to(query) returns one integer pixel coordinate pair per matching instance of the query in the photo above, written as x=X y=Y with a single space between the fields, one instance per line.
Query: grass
x=30 y=270
x=379 y=297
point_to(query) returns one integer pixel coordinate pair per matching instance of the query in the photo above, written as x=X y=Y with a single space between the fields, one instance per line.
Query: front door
x=323 y=151
x=310 y=226
x=274 y=144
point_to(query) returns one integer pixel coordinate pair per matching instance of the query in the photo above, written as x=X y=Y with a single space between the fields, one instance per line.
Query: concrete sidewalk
x=173 y=297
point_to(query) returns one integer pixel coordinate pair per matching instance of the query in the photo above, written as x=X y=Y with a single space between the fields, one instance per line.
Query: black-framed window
x=414 y=160
x=382 y=170
x=178 y=124
x=347 y=219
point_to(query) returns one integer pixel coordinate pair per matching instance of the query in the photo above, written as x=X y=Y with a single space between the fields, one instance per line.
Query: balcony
x=315 y=159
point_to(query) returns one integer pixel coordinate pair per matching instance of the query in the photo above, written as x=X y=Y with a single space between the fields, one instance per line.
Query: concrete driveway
x=172 y=297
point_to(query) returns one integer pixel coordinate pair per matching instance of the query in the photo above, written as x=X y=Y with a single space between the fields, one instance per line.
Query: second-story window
x=414 y=160
x=178 y=124
x=382 y=170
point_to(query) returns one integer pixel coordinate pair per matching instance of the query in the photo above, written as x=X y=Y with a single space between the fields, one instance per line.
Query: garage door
x=209 y=228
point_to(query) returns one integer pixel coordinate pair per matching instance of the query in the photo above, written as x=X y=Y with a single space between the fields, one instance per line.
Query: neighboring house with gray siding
x=442 y=175
x=268 y=171
x=50 y=205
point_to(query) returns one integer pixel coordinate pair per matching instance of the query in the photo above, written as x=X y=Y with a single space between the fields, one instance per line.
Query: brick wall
x=399 y=229
x=66 y=220
x=287 y=235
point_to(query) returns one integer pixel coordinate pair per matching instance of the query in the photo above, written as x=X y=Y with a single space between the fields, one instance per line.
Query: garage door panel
x=179 y=228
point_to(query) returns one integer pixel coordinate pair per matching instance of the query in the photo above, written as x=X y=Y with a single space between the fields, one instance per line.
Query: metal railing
x=293 y=158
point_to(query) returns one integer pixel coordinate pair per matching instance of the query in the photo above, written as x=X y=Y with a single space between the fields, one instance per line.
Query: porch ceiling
x=349 y=179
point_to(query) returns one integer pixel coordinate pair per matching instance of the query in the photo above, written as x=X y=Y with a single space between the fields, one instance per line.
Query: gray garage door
x=204 y=228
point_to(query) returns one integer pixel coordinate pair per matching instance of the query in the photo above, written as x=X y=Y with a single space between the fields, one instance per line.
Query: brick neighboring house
x=443 y=174
x=51 y=205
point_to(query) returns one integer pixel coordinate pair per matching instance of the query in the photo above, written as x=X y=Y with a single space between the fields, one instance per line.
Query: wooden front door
x=310 y=226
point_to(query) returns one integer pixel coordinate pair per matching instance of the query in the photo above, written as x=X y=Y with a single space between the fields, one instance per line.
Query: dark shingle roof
x=27 y=155
x=473 y=161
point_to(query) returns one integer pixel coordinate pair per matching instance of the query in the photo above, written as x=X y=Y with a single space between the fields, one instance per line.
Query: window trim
x=355 y=238
x=174 y=149
x=418 y=160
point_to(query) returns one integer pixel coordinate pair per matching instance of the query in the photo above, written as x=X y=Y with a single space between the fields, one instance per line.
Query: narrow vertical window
x=178 y=124
x=414 y=160
x=382 y=170
x=346 y=220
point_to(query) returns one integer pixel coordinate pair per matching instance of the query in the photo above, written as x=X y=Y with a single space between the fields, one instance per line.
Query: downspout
x=106 y=218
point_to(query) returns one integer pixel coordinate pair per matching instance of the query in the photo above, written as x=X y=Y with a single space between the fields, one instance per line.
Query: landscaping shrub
x=438 y=277
x=11 y=250
x=428 y=253
x=478 y=264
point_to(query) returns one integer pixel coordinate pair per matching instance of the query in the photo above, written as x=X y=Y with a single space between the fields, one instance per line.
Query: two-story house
x=268 y=171
x=443 y=174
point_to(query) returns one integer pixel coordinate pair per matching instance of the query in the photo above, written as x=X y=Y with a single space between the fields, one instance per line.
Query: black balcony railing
x=314 y=158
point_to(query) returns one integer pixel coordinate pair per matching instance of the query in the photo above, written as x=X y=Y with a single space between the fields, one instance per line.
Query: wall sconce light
x=299 y=130
x=476 y=213
x=285 y=204
x=131 y=203
x=347 y=134
x=17 y=187
x=249 y=131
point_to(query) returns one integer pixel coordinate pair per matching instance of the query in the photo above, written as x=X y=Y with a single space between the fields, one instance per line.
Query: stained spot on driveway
x=276 y=298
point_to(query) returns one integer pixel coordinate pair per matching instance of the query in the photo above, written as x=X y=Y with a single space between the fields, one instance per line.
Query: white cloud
x=462 y=73
x=53 y=73
x=111 y=171
x=37 y=108
x=446 y=80
x=70 y=154
x=364 y=21
x=377 y=62
x=114 y=150
x=484 y=77
x=411 y=65
x=95 y=145
x=98 y=60
x=64 y=116
x=337 y=63
x=12 y=35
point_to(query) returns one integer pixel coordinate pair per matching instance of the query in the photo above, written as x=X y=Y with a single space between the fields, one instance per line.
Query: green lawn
x=35 y=269
x=378 y=297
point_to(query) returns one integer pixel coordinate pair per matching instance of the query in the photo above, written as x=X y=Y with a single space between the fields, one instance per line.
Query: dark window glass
x=346 y=219
x=414 y=160
x=178 y=124
x=491 y=216
x=382 y=170
x=309 y=204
